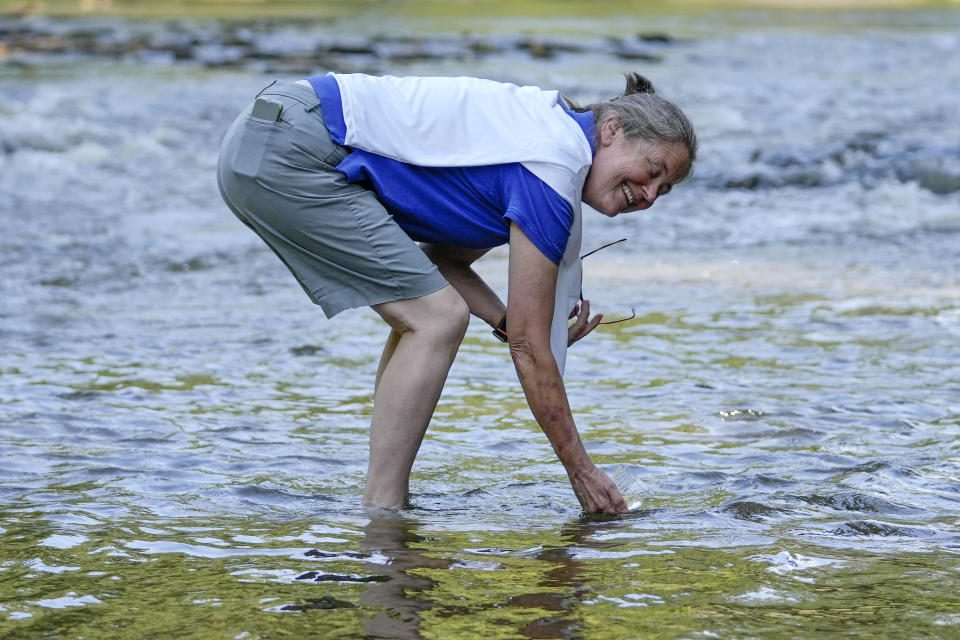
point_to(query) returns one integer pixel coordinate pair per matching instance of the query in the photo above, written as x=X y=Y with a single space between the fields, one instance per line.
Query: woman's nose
x=650 y=192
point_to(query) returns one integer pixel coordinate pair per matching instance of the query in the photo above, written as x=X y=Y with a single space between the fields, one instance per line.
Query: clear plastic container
x=631 y=487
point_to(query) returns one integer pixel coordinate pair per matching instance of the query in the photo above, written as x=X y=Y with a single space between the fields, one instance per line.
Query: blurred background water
x=183 y=436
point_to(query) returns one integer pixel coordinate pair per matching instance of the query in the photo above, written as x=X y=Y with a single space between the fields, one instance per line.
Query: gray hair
x=644 y=115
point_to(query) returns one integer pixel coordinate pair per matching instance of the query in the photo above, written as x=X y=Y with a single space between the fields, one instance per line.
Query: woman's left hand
x=584 y=324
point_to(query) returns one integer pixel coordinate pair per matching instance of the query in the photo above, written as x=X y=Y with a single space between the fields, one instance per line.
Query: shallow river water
x=183 y=436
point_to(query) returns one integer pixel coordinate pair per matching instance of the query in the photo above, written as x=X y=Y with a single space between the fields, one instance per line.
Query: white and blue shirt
x=455 y=160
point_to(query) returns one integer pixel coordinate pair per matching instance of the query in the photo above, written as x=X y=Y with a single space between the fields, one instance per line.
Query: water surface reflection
x=398 y=601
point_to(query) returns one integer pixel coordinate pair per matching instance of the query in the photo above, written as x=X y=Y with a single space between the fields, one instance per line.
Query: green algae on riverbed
x=410 y=577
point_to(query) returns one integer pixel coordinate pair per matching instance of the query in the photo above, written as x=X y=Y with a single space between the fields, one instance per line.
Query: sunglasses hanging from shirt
x=633 y=311
x=500 y=331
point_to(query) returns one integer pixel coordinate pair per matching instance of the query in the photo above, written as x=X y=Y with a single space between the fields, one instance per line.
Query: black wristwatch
x=500 y=333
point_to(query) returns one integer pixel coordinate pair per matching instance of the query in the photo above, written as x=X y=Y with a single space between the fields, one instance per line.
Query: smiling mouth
x=629 y=195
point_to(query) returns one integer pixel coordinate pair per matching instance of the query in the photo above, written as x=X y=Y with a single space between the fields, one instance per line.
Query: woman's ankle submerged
x=385 y=498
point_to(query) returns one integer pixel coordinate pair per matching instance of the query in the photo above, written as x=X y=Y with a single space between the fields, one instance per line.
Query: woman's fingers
x=597 y=492
x=612 y=502
x=583 y=324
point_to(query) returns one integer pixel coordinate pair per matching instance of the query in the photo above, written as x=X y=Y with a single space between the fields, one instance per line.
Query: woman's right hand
x=596 y=491
x=584 y=324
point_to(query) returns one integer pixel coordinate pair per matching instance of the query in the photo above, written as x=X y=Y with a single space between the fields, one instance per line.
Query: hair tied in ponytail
x=636 y=83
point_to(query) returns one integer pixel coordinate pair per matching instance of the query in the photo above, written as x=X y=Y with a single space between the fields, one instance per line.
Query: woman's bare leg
x=429 y=330
x=388 y=350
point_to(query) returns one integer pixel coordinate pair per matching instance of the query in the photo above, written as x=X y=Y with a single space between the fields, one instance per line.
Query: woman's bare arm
x=455 y=265
x=533 y=279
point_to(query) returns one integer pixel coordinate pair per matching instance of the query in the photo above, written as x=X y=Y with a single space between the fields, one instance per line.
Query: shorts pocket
x=336 y=156
x=256 y=136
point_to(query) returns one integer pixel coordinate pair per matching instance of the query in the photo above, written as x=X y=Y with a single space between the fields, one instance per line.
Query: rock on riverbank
x=286 y=45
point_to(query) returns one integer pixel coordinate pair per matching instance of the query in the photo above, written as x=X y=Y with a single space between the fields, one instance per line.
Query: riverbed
x=183 y=435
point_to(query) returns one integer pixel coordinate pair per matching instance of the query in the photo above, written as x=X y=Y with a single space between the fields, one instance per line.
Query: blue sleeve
x=331 y=105
x=539 y=211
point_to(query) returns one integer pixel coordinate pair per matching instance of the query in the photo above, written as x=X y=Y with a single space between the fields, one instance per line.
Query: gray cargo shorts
x=337 y=239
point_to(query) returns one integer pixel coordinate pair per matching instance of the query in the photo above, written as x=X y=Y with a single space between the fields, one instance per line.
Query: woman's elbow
x=526 y=351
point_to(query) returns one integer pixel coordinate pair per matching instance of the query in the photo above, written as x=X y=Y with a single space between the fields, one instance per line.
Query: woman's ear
x=609 y=130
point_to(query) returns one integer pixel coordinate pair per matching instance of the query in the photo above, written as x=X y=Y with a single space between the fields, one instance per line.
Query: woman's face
x=629 y=175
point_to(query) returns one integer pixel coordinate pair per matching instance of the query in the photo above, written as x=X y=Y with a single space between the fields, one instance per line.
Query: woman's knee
x=448 y=312
x=441 y=313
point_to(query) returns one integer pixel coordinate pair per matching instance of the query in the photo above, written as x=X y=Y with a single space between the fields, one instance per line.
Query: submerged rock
x=317 y=576
x=323 y=602
x=876 y=528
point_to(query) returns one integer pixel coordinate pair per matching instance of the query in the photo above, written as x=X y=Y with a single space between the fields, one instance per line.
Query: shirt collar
x=585 y=120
